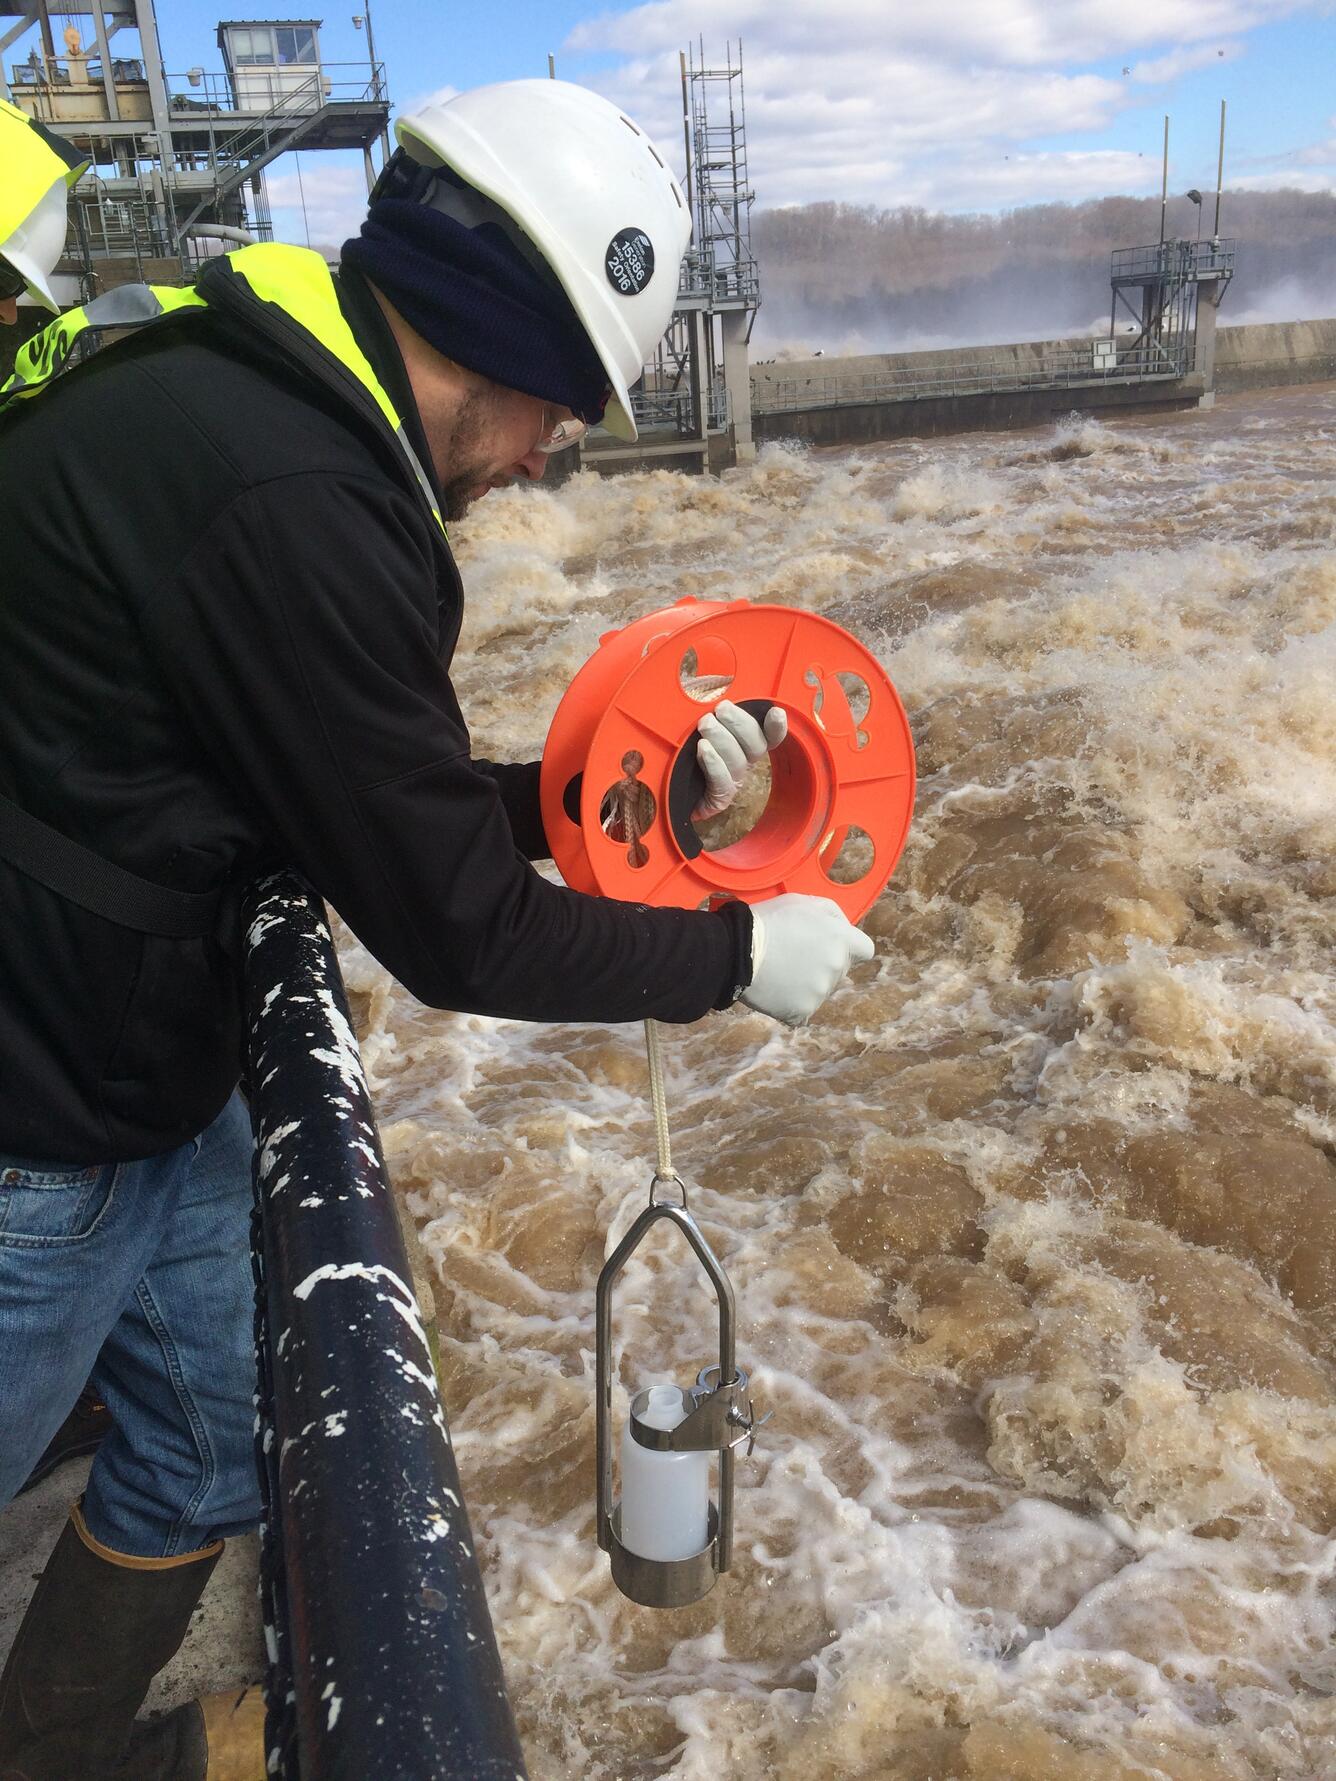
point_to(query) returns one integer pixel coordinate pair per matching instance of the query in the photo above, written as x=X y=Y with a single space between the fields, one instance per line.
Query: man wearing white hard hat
x=235 y=649
x=37 y=168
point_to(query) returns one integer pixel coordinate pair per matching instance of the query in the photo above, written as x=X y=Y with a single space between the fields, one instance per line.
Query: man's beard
x=465 y=469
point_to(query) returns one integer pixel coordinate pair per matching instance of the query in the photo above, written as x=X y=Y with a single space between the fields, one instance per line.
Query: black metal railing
x=382 y=1659
x=256 y=90
x=674 y=410
x=728 y=283
x=1177 y=259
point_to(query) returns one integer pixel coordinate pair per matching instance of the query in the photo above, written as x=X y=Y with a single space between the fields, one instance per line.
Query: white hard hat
x=593 y=194
x=35 y=244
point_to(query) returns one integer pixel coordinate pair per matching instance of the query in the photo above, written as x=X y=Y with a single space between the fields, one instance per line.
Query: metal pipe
x=382 y=1655
x=686 y=135
x=1219 y=174
x=1164 y=188
x=150 y=49
x=222 y=231
x=104 y=55
x=48 y=42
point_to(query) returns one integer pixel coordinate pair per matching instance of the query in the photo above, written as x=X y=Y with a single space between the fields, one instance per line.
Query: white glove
x=801 y=948
x=731 y=741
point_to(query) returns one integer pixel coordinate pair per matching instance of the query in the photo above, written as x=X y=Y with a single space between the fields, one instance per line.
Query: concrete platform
x=224 y=1647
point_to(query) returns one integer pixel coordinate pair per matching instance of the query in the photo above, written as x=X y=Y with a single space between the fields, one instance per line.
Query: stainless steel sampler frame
x=719 y=1417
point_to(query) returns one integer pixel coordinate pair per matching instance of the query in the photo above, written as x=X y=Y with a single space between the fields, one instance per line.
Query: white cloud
x=1162 y=69
x=951 y=104
x=820 y=126
x=954 y=103
x=1309 y=179
x=420 y=101
x=335 y=200
x=1295 y=167
x=1007 y=33
x=1073 y=176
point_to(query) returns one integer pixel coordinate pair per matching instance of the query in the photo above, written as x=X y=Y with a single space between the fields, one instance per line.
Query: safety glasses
x=12 y=283
x=560 y=434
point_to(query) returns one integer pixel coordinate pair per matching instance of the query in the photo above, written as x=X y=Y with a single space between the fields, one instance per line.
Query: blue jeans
x=136 y=1277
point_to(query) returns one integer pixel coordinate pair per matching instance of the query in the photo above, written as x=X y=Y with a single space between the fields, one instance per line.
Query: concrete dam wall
x=822 y=400
x=1265 y=354
x=855 y=400
x=1249 y=357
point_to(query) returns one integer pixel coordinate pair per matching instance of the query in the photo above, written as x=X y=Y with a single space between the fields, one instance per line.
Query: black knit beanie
x=474 y=296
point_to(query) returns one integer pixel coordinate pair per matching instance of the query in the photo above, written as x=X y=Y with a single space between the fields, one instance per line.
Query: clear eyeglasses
x=560 y=434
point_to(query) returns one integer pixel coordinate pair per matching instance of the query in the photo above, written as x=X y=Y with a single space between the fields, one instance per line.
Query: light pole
x=359 y=19
x=1195 y=196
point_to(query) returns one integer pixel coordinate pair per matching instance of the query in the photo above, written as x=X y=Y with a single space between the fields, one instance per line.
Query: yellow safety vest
x=289 y=286
x=32 y=159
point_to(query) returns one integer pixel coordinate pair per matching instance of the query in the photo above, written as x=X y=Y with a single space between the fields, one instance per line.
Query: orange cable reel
x=627 y=723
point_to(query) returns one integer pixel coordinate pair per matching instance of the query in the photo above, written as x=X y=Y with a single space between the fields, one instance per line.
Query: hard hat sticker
x=630 y=261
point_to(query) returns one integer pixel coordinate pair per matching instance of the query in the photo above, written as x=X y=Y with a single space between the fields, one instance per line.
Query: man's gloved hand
x=730 y=742
x=801 y=948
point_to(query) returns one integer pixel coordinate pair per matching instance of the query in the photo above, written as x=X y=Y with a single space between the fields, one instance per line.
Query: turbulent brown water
x=1032 y=1228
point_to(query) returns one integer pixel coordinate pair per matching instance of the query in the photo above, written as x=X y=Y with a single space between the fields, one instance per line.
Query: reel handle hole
x=849 y=855
x=627 y=810
x=840 y=703
x=707 y=670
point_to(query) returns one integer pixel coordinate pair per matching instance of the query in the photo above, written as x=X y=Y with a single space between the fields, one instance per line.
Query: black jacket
x=226 y=625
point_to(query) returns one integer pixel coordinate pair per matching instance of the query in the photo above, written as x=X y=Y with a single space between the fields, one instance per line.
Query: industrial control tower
x=178 y=159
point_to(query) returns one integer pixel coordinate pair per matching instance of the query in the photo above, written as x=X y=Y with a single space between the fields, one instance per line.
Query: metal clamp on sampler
x=667 y=1540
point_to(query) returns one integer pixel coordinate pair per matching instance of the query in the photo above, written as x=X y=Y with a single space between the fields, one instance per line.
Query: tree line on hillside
x=856 y=278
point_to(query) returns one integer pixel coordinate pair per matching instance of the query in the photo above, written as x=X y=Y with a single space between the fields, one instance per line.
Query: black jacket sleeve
x=518 y=786
x=302 y=635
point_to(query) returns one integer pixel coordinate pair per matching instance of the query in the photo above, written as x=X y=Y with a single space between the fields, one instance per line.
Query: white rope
x=628 y=795
x=664 y=1170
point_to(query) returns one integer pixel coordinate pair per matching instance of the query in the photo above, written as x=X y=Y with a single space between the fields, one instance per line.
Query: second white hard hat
x=36 y=169
x=593 y=194
x=34 y=244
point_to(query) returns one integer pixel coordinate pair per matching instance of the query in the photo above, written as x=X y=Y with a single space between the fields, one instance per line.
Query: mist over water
x=1032 y=1228
x=985 y=313
x=851 y=279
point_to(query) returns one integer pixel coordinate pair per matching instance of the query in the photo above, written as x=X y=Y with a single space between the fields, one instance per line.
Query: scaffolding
x=177 y=161
x=719 y=266
x=697 y=383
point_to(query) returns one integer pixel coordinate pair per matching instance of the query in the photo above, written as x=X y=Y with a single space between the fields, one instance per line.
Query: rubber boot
x=100 y=1626
x=82 y=1431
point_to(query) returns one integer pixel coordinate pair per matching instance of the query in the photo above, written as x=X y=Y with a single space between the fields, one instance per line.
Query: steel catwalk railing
x=660 y=409
x=1202 y=260
x=382 y=1659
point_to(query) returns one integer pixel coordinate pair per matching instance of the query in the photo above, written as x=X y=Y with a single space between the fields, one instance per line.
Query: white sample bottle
x=665 y=1496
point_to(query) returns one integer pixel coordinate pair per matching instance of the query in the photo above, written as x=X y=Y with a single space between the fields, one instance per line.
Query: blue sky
x=954 y=104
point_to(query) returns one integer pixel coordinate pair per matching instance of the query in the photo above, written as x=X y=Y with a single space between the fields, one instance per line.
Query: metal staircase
x=293 y=116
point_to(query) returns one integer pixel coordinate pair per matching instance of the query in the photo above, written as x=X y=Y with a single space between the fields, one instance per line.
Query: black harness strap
x=81 y=876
